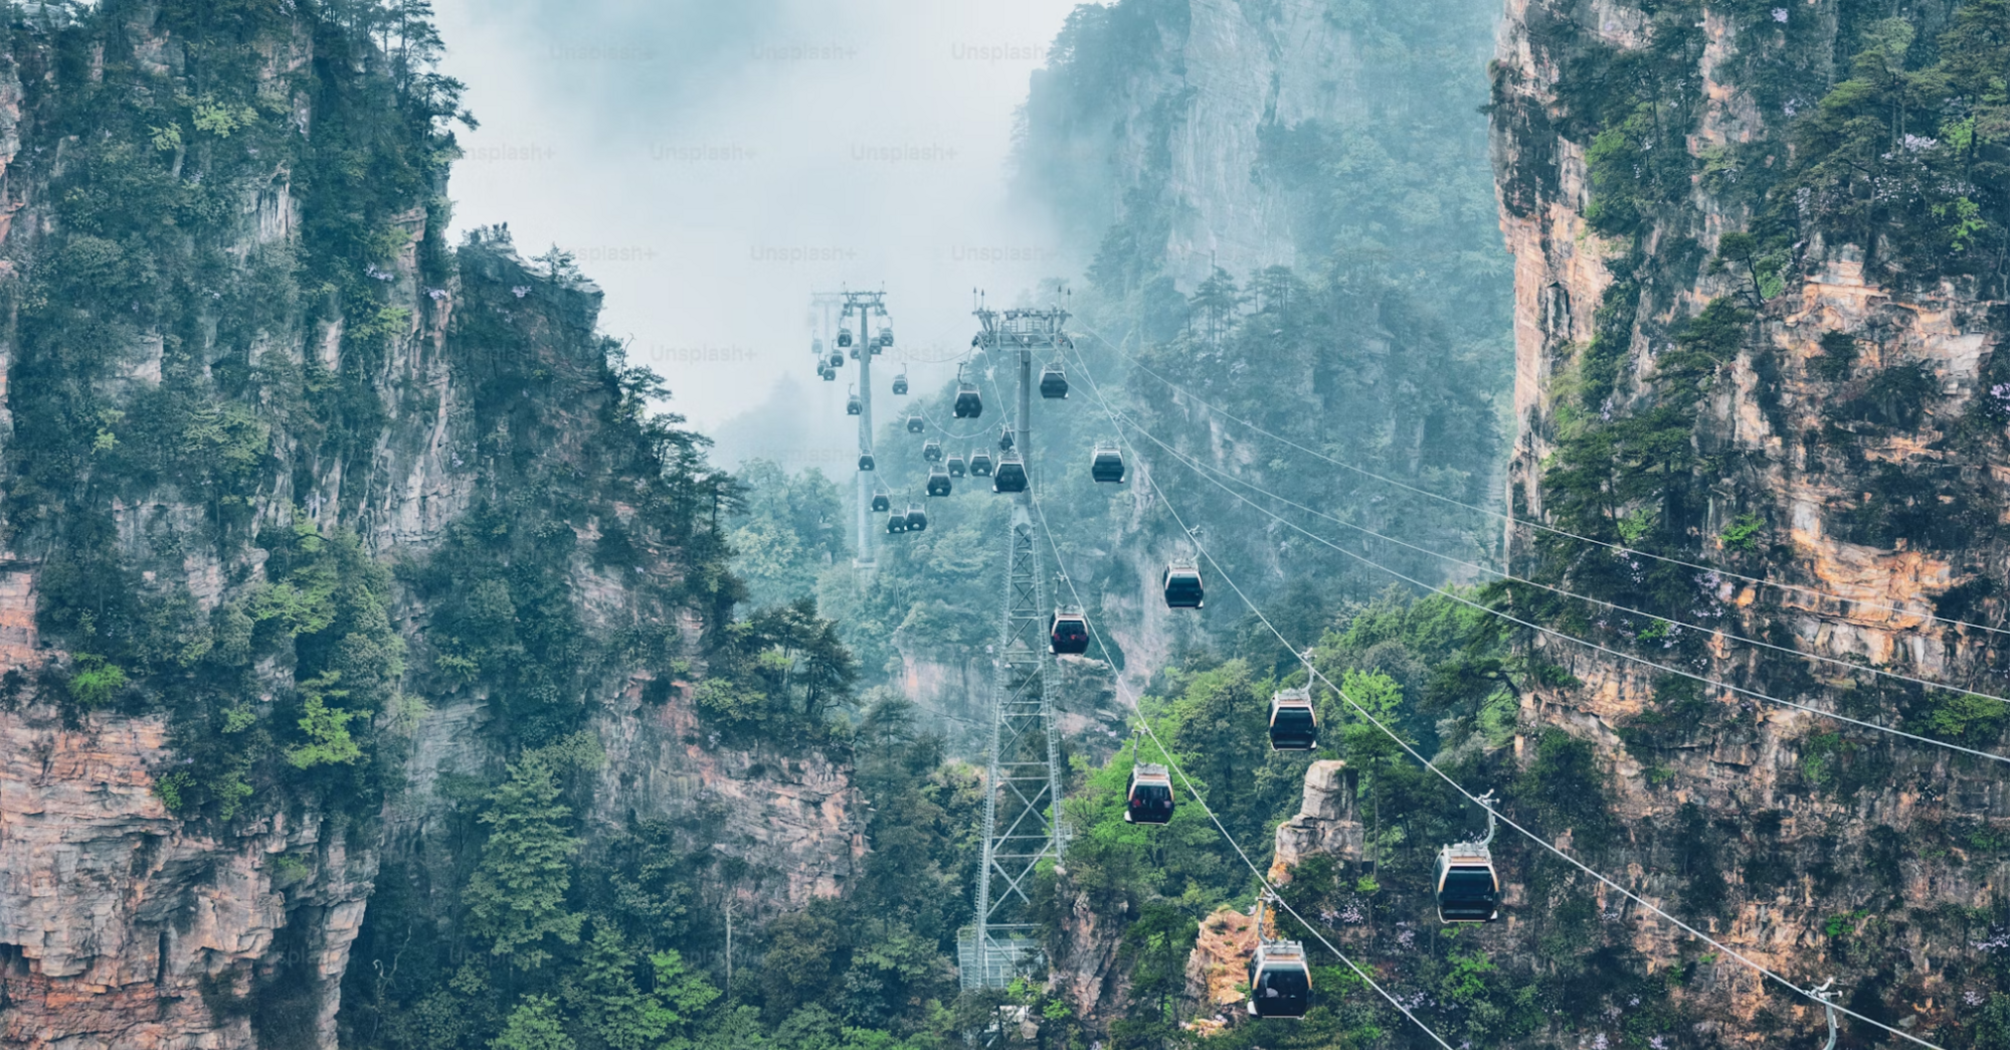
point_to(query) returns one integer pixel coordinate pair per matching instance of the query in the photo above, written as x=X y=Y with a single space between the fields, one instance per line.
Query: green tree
x=802 y=959
x=326 y=728
x=534 y=1025
x=606 y=999
x=517 y=896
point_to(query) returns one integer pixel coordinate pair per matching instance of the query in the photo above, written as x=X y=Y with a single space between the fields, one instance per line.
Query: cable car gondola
x=1068 y=631
x=882 y=500
x=1280 y=982
x=827 y=375
x=1182 y=586
x=896 y=524
x=900 y=384
x=1106 y=465
x=853 y=406
x=969 y=404
x=885 y=339
x=844 y=338
x=938 y=482
x=1053 y=382
x=865 y=462
x=915 y=425
x=1005 y=438
x=1293 y=724
x=1468 y=888
x=931 y=450
x=1149 y=799
x=836 y=361
x=956 y=467
x=817 y=346
x=980 y=464
x=917 y=518
x=1010 y=475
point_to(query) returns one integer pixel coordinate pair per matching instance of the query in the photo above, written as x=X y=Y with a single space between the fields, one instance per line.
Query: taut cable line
x=1530 y=523
x=1765 y=972
x=1172 y=764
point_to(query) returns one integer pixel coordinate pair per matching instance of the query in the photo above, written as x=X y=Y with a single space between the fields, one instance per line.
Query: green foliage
x=1993 y=1027
x=603 y=996
x=95 y=681
x=1565 y=786
x=534 y=1025
x=782 y=667
x=326 y=728
x=1910 y=161
x=1742 y=535
x=173 y=790
x=516 y=898
x=1973 y=720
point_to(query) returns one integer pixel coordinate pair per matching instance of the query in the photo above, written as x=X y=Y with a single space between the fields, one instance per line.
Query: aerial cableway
x=1468 y=867
x=1022 y=827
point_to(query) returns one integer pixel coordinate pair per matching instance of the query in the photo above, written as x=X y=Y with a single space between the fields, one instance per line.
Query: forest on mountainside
x=450 y=633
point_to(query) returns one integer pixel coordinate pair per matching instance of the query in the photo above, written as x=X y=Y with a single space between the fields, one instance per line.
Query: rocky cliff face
x=1792 y=456
x=1177 y=128
x=270 y=341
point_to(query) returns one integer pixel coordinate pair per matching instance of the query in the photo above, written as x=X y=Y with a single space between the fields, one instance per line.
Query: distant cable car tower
x=865 y=306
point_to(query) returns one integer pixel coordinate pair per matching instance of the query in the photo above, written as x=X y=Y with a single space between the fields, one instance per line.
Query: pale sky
x=713 y=163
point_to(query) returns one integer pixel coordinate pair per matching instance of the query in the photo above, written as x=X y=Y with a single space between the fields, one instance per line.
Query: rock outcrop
x=1217 y=972
x=1794 y=482
x=1326 y=822
x=129 y=918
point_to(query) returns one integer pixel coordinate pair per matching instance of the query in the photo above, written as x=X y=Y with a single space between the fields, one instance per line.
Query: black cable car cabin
x=1053 y=383
x=931 y=451
x=1183 y=587
x=864 y=461
x=1010 y=475
x=980 y=464
x=938 y=482
x=826 y=373
x=1293 y=724
x=1468 y=888
x=900 y=384
x=1106 y=466
x=1005 y=438
x=844 y=337
x=882 y=500
x=836 y=360
x=1280 y=982
x=896 y=524
x=853 y=406
x=885 y=338
x=969 y=403
x=915 y=425
x=917 y=518
x=1149 y=799
x=956 y=467
x=1068 y=631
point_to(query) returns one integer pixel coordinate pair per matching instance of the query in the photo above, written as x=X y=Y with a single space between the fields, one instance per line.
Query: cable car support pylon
x=864 y=305
x=1022 y=827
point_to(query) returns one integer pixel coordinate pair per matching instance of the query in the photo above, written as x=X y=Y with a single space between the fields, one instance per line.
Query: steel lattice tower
x=1022 y=826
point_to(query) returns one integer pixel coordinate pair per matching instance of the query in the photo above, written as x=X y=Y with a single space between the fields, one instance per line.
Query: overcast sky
x=713 y=163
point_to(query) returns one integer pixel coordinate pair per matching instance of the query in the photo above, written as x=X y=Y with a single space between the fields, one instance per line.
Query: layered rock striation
x=1817 y=402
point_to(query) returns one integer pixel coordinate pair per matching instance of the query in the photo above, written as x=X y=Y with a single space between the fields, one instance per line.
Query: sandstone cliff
x=307 y=369
x=1781 y=470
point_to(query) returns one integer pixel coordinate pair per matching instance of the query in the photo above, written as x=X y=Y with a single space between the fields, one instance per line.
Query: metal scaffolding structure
x=1022 y=826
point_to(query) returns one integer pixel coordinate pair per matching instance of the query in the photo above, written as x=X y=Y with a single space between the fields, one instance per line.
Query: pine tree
x=516 y=897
